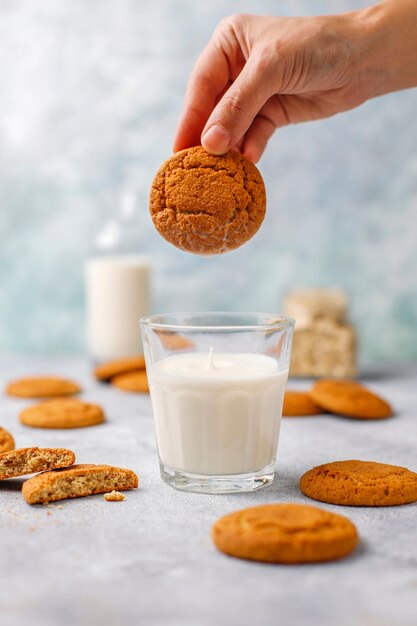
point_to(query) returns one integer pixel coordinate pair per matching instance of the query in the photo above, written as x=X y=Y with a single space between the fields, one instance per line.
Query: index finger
x=208 y=80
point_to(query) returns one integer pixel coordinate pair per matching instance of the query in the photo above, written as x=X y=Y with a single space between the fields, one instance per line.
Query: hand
x=260 y=73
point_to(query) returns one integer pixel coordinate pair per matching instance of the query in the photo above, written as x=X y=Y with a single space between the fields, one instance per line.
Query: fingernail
x=216 y=140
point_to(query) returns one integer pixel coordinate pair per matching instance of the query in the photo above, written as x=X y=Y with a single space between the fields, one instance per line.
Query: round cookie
x=349 y=398
x=6 y=441
x=207 y=204
x=63 y=413
x=107 y=370
x=299 y=403
x=132 y=381
x=42 y=387
x=285 y=533
x=360 y=483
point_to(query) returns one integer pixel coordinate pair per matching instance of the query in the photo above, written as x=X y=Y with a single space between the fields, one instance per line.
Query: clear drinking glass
x=217 y=383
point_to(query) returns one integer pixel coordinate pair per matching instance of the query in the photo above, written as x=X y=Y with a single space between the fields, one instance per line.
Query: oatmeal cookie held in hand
x=207 y=204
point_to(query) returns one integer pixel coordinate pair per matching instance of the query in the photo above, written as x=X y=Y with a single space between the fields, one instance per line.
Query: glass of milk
x=217 y=383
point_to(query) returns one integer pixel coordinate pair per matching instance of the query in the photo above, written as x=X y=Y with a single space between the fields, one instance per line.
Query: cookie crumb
x=114 y=496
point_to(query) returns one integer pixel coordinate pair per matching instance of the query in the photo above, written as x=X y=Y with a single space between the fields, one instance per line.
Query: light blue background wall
x=90 y=92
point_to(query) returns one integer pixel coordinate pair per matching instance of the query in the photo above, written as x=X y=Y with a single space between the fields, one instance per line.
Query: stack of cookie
x=324 y=343
x=127 y=374
x=60 y=478
x=347 y=398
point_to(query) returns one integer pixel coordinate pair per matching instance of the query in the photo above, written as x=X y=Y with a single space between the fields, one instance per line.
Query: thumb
x=236 y=110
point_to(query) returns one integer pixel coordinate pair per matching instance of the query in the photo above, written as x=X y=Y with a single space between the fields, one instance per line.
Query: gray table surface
x=149 y=560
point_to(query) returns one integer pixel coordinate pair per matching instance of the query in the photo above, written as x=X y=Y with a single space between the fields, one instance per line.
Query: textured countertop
x=149 y=560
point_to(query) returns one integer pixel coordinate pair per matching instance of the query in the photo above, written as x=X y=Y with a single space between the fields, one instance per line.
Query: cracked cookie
x=349 y=398
x=360 y=483
x=285 y=533
x=207 y=204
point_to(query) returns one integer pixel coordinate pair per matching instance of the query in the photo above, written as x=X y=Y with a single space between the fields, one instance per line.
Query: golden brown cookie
x=349 y=398
x=132 y=381
x=6 y=441
x=285 y=533
x=207 y=204
x=105 y=371
x=62 y=413
x=360 y=483
x=42 y=387
x=30 y=460
x=299 y=403
x=76 y=482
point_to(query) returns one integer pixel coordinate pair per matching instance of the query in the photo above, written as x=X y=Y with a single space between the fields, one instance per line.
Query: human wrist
x=388 y=46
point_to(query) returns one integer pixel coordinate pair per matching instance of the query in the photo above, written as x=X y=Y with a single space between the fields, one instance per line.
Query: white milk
x=117 y=294
x=217 y=414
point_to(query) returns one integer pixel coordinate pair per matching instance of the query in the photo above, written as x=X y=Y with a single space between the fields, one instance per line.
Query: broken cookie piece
x=31 y=460
x=114 y=496
x=78 y=481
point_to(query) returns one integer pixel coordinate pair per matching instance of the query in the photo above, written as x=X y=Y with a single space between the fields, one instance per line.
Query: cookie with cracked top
x=360 y=483
x=349 y=398
x=285 y=533
x=207 y=204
